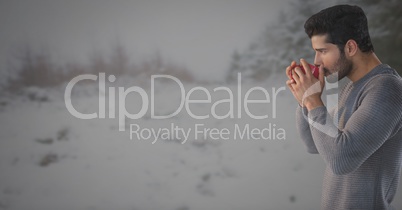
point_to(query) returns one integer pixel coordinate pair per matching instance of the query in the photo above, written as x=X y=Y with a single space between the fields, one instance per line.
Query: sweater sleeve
x=303 y=128
x=377 y=118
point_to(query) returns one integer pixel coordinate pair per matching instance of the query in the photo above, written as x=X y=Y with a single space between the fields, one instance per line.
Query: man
x=361 y=139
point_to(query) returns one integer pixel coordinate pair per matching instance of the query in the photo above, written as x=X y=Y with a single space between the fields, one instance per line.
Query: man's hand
x=305 y=87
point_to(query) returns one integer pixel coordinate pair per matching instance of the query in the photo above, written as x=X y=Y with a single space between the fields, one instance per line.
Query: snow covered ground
x=50 y=159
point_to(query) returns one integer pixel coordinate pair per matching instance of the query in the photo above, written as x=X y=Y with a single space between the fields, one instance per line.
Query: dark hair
x=341 y=23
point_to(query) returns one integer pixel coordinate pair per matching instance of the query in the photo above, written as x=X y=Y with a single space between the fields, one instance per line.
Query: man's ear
x=351 y=47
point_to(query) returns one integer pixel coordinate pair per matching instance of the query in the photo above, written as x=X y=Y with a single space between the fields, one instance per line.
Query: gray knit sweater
x=360 y=141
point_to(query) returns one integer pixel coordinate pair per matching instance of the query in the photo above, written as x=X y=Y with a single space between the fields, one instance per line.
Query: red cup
x=314 y=69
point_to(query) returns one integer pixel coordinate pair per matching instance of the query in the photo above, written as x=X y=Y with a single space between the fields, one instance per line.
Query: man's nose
x=317 y=60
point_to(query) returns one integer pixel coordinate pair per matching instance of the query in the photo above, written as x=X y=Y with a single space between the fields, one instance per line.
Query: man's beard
x=342 y=68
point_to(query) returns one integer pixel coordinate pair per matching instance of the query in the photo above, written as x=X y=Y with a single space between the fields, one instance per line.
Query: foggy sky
x=201 y=35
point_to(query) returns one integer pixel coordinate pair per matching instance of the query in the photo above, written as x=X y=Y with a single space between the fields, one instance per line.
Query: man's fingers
x=297 y=74
x=290 y=82
x=321 y=74
x=289 y=69
x=289 y=72
x=306 y=67
x=293 y=64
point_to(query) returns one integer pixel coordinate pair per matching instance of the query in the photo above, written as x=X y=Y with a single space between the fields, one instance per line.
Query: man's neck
x=363 y=65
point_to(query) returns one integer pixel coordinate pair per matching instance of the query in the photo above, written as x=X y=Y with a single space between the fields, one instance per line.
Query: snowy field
x=51 y=160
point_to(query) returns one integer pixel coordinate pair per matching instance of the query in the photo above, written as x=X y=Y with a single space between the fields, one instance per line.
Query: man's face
x=336 y=65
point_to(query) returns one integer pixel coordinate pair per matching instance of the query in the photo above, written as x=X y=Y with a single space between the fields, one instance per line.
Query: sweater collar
x=380 y=69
